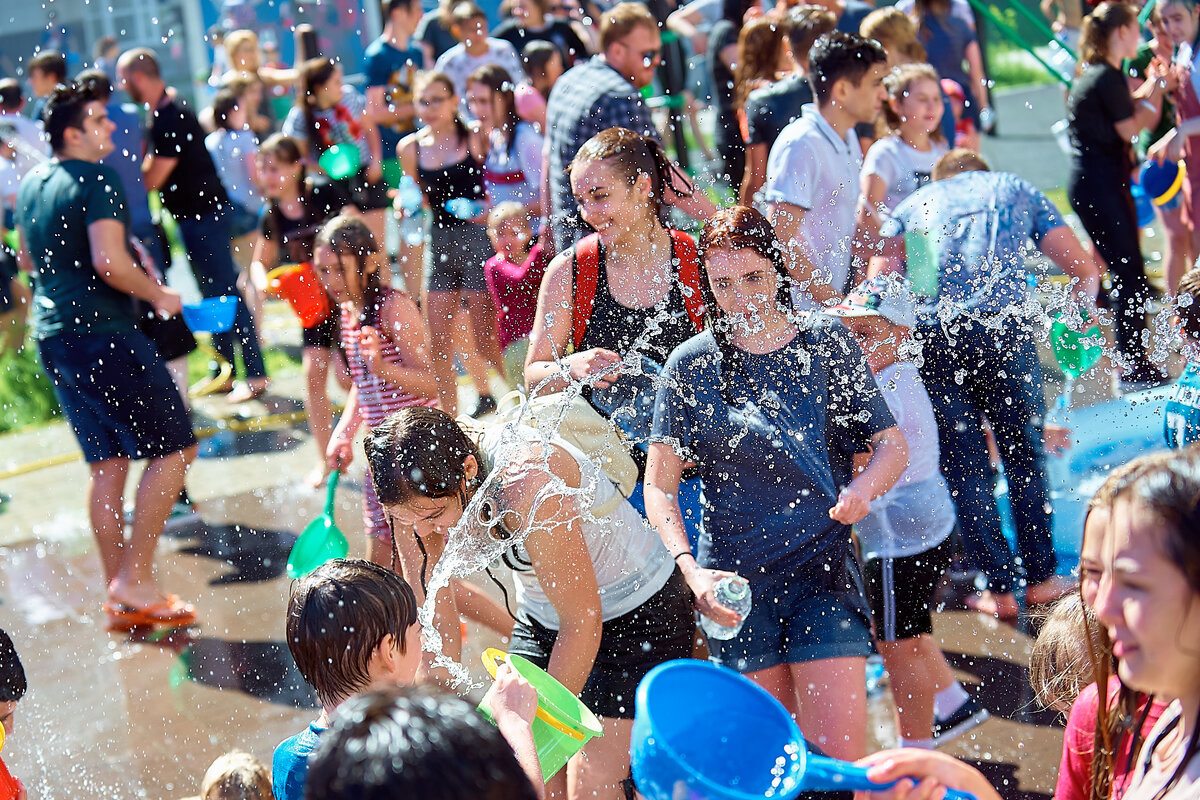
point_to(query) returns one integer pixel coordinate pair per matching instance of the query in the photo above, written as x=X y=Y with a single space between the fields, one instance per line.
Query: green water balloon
x=341 y=161
x=321 y=541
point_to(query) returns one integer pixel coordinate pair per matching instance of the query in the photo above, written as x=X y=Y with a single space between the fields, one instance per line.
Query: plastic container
x=321 y=541
x=299 y=285
x=1162 y=181
x=563 y=724
x=465 y=207
x=734 y=594
x=1073 y=354
x=341 y=161
x=705 y=731
x=211 y=315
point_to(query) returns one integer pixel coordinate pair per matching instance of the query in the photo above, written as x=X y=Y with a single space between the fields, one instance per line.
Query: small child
x=237 y=775
x=351 y=626
x=1182 y=426
x=905 y=539
x=514 y=276
x=234 y=150
x=475 y=49
x=12 y=688
x=965 y=133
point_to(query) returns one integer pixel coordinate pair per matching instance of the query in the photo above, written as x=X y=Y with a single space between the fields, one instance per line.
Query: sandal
x=245 y=391
x=171 y=613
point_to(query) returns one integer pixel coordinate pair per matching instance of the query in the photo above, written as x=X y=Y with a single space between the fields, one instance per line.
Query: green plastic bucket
x=563 y=724
x=1073 y=355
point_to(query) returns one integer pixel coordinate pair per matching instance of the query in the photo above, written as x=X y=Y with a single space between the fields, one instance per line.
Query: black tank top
x=462 y=179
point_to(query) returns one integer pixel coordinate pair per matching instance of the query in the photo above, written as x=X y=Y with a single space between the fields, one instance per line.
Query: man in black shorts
x=112 y=384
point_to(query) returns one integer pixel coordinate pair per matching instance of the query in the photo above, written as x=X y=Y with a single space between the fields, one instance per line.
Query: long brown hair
x=1099 y=26
x=759 y=46
x=349 y=237
x=500 y=83
x=313 y=73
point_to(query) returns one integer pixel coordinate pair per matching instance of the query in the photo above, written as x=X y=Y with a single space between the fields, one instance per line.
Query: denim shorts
x=115 y=391
x=791 y=622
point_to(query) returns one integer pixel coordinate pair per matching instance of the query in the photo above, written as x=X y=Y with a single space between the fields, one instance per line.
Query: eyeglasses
x=649 y=57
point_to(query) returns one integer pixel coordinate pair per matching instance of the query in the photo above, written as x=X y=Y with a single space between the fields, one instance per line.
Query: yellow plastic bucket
x=563 y=724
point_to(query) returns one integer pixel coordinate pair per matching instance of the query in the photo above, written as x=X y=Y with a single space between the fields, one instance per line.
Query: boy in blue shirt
x=1182 y=426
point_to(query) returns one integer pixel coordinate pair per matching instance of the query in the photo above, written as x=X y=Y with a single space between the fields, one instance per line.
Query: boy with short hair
x=12 y=688
x=813 y=185
x=475 y=49
x=1182 y=425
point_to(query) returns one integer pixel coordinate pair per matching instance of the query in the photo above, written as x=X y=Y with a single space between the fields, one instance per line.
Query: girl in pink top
x=514 y=276
x=386 y=343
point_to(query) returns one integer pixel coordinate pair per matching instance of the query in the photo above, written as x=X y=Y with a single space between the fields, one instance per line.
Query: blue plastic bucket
x=1162 y=181
x=705 y=731
x=211 y=315
x=1143 y=205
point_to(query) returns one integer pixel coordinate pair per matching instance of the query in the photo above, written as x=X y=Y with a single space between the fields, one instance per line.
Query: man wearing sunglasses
x=599 y=94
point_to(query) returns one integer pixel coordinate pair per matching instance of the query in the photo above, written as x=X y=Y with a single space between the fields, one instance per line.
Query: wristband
x=681 y=555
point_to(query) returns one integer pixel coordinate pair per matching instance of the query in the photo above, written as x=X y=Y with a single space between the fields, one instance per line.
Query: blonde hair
x=621 y=20
x=236 y=41
x=895 y=30
x=237 y=775
x=958 y=161
x=503 y=212
x=1060 y=665
x=900 y=81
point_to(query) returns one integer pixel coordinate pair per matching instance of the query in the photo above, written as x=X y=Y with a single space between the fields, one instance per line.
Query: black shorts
x=365 y=195
x=327 y=333
x=115 y=391
x=900 y=591
x=660 y=629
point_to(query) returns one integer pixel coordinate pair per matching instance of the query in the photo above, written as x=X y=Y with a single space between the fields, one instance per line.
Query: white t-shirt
x=10 y=180
x=231 y=151
x=810 y=166
x=31 y=143
x=458 y=65
x=1146 y=786
x=917 y=513
x=903 y=168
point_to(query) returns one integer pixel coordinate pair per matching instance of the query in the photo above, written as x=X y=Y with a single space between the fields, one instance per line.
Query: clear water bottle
x=876 y=672
x=734 y=594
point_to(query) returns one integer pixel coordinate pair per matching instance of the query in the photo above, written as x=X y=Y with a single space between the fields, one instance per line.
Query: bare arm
x=384 y=112
x=402 y=323
x=694 y=204
x=156 y=170
x=787 y=218
x=266 y=254
x=1063 y=248
x=111 y=260
x=756 y=172
x=889 y=459
x=978 y=77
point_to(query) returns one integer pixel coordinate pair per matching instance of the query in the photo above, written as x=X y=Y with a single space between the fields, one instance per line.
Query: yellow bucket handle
x=491 y=659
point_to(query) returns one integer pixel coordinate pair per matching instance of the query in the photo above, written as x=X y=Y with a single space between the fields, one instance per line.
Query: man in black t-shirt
x=530 y=23
x=178 y=164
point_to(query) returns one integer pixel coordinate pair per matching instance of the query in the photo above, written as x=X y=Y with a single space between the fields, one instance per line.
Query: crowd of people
x=812 y=396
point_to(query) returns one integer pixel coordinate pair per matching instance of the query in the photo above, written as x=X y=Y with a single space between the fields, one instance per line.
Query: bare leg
x=778 y=681
x=917 y=670
x=832 y=694
x=1176 y=250
x=412 y=270
x=318 y=406
x=477 y=606
x=473 y=361
x=178 y=369
x=482 y=313
x=597 y=771
x=443 y=306
x=12 y=323
x=106 y=499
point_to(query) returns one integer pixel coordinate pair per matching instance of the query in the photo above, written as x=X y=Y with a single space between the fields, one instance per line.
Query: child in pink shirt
x=514 y=276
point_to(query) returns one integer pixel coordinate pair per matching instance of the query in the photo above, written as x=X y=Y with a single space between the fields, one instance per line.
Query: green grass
x=26 y=396
x=280 y=363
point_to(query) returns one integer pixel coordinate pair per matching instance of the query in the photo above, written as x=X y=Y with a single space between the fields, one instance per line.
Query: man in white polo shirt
x=812 y=172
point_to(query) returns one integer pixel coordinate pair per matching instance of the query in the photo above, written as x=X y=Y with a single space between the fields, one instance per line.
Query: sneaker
x=969 y=715
x=485 y=406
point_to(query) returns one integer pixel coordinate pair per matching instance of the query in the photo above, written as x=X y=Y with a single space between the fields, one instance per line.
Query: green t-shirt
x=56 y=203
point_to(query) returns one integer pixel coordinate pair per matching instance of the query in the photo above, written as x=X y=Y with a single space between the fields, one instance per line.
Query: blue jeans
x=207 y=241
x=995 y=373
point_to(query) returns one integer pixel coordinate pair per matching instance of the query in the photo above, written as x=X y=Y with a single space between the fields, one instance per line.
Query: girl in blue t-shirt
x=771 y=406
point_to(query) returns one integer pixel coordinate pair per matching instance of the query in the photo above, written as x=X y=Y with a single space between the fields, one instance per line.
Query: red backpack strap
x=684 y=249
x=585 y=274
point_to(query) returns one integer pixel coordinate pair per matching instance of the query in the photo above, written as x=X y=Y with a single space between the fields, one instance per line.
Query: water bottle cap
x=737 y=587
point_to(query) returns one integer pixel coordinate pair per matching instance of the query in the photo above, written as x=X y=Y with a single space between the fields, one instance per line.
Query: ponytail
x=1099 y=26
x=631 y=155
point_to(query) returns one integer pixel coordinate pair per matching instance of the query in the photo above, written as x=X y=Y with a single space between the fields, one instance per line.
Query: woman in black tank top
x=445 y=158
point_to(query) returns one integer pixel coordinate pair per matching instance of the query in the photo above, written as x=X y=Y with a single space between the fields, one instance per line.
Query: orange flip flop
x=170 y=613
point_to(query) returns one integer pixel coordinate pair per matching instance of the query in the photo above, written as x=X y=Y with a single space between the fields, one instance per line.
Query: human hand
x=1161 y=150
x=1057 y=438
x=852 y=506
x=370 y=346
x=922 y=775
x=339 y=454
x=374 y=172
x=168 y=302
x=511 y=698
x=703 y=583
x=586 y=365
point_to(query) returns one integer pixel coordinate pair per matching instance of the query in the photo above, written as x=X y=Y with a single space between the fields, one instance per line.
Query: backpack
x=585 y=276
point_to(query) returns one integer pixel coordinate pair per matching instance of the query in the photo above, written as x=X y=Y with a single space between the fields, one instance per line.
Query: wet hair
x=237 y=775
x=97 y=83
x=425 y=79
x=622 y=20
x=223 y=105
x=314 y=72
x=336 y=617
x=899 y=82
x=349 y=237
x=11 y=95
x=141 y=61
x=419 y=452
x=67 y=108
x=841 y=56
x=13 y=684
x=399 y=743
x=1189 y=314
x=503 y=212
x=501 y=84
x=895 y=30
x=1098 y=26
x=759 y=47
x=465 y=12
x=50 y=62
x=1060 y=665
x=632 y=155
x=806 y=24
x=738 y=228
x=958 y=161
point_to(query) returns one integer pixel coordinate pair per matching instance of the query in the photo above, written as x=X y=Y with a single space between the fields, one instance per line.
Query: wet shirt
x=771 y=108
x=289 y=765
x=977 y=225
x=56 y=203
x=763 y=430
x=1182 y=421
x=394 y=69
x=1099 y=99
x=295 y=237
x=193 y=189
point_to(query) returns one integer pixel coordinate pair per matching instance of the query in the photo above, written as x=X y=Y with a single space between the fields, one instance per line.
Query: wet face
x=606 y=200
x=8 y=714
x=435 y=103
x=879 y=338
x=511 y=239
x=1091 y=554
x=864 y=101
x=341 y=281
x=743 y=283
x=471 y=30
x=1151 y=613
x=1180 y=22
x=276 y=176
x=481 y=102
x=920 y=105
x=637 y=55
x=428 y=515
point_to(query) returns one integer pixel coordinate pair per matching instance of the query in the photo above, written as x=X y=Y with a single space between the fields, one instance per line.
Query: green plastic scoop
x=1073 y=354
x=321 y=541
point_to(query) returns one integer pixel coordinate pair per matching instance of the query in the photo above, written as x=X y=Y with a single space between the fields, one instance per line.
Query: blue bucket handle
x=825 y=774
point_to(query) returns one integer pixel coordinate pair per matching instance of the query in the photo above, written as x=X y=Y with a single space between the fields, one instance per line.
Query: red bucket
x=299 y=285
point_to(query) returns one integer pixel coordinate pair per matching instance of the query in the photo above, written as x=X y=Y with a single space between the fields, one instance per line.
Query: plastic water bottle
x=464 y=207
x=412 y=222
x=734 y=594
x=876 y=672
